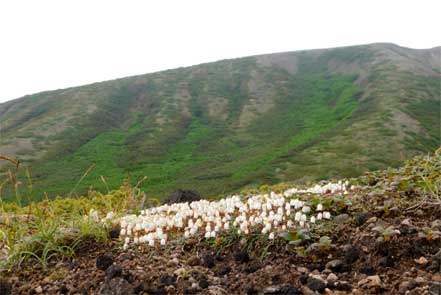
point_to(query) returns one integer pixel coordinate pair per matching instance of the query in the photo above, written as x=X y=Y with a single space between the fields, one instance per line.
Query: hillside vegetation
x=218 y=127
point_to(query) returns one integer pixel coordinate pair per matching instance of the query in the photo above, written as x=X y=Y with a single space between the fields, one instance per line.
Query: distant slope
x=217 y=127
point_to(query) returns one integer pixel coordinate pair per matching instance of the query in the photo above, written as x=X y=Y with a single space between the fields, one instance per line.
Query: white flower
x=268 y=226
x=296 y=203
x=271 y=236
x=306 y=209
x=271 y=213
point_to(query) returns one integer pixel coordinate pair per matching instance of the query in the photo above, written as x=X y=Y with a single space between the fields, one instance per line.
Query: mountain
x=217 y=127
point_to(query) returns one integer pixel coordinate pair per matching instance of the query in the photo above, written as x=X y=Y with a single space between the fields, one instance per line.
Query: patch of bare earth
x=260 y=101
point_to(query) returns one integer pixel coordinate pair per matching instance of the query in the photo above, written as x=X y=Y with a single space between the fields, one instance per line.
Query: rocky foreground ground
x=385 y=240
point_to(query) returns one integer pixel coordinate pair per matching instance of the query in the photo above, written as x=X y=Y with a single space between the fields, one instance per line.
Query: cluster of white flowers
x=330 y=187
x=266 y=213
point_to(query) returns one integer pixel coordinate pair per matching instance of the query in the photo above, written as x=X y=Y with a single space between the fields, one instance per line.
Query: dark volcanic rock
x=242 y=256
x=336 y=265
x=208 y=260
x=142 y=287
x=303 y=278
x=198 y=275
x=352 y=253
x=203 y=283
x=104 y=261
x=252 y=268
x=386 y=261
x=114 y=233
x=313 y=266
x=63 y=289
x=5 y=287
x=223 y=271
x=128 y=276
x=289 y=289
x=182 y=196
x=367 y=270
x=361 y=218
x=342 y=286
x=113 y=271
x=167 y=280
x=316 y=283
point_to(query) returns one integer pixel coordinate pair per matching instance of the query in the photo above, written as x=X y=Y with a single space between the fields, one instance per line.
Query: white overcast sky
x=47 y=45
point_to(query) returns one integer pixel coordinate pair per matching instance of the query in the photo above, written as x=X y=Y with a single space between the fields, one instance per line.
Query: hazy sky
x=48 y=45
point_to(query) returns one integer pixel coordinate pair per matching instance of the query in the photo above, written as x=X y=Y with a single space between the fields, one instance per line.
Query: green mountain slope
x=221 y=126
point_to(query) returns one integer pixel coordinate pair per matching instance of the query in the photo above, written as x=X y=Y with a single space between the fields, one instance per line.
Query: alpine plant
x=268 y=214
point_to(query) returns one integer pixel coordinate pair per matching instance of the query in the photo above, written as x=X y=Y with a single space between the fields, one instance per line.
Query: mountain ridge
x=236 y=122
x=435 y=48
